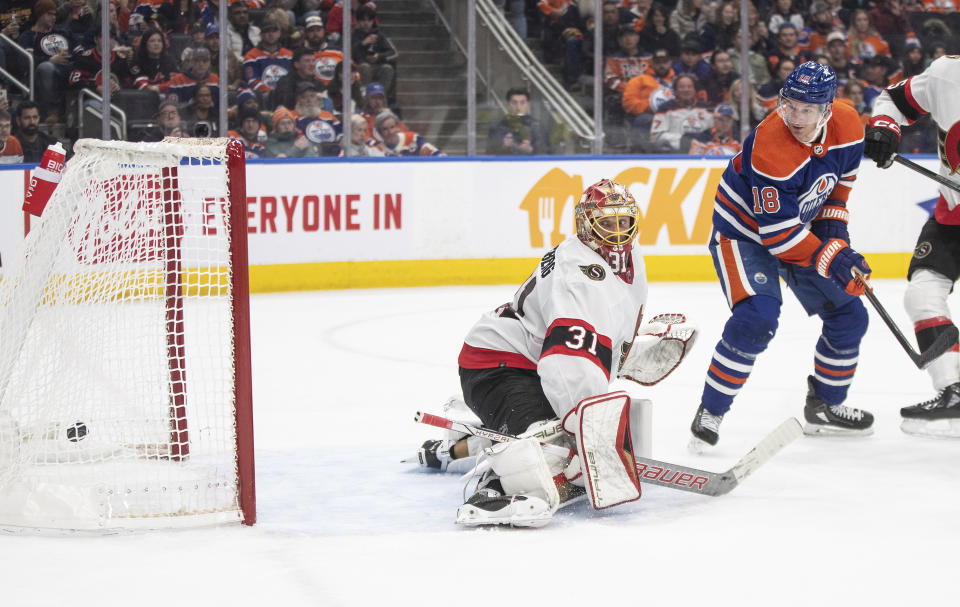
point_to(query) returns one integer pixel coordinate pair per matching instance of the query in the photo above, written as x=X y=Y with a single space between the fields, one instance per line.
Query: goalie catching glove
x=658 y=348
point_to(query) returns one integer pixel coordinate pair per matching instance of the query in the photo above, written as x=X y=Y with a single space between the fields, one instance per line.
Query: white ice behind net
x=116 y=372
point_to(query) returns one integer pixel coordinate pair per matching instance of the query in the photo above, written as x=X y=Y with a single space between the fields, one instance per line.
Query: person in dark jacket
x=33 y=141
x=375 y=55
x=285 y=93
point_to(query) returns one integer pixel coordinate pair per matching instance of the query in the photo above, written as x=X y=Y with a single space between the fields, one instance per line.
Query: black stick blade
x=944 y=342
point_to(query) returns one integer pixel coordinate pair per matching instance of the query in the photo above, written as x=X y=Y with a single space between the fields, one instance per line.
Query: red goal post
x=125 y=380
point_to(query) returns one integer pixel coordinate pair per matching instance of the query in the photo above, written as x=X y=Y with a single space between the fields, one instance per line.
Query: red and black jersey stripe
x=573 y=337
x=902 y=96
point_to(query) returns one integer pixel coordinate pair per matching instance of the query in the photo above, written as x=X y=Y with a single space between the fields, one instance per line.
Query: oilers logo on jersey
x=320 y=131
x=54 y=43
x=272 y=74
x=326 y=67
x=811 y=200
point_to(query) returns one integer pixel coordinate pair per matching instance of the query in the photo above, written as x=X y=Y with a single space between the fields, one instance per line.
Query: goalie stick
x=660 y=473
x=944 y=341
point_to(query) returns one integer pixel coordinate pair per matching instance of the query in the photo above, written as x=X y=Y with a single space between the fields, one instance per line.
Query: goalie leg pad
x=523 y=470
x=530 y=496
x=602 y=427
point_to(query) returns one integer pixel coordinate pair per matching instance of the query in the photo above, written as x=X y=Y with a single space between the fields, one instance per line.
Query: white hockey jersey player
x=572 y=320
x=935 y=91
x=551 y=352
x=935 y=265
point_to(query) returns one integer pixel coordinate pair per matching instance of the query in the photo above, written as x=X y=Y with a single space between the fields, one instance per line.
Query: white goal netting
x=117 y=338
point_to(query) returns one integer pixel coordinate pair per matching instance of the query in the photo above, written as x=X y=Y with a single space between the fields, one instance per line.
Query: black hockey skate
x=833 y=419
x=705 y=429
x=939 y=416
x=488 y=507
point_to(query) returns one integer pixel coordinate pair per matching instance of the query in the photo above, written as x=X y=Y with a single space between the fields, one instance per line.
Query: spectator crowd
x=671 y=69
x=284 y=74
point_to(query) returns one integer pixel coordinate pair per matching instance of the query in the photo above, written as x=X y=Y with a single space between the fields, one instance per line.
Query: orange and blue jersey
x=325 y=130
x=262 y=70
x=773 y=189
x=183 y=87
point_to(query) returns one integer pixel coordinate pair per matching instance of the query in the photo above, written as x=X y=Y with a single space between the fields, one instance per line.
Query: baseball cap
x=911 y=43
x=834 y=36
x=724 y=110
x=314 y=21
x=661 y=53
x=690 y=46
x=819 y=7
x=375 y=88
x=627 y=28
x=307 y=85
x=212 y=28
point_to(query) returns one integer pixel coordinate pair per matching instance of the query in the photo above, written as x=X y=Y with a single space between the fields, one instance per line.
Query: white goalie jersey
x=936 y=92
x=572 y=321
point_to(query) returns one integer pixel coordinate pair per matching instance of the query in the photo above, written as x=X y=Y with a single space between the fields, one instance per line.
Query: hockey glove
x=882 y=140
x=831 y=222
x=836 y=260
x=658 y=348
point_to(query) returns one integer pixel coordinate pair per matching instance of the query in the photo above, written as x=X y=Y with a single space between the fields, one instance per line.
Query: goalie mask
x=606 y=217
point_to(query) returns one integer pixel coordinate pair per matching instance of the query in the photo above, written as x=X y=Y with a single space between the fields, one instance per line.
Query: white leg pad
x=523 y=470
x=641 y=426
x=604 y=441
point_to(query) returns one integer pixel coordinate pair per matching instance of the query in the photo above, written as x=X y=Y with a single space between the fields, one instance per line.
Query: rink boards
x=332 y=224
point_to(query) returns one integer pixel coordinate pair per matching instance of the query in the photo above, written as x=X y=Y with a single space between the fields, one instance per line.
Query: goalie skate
x=938 y=417
x=488 y=507
x=824 y=419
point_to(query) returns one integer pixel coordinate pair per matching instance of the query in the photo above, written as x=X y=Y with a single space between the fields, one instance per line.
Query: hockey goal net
x=124 y=345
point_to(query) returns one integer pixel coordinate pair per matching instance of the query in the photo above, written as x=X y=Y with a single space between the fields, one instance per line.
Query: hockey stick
x=660 y=473
x=944 y=341
x=926 y=172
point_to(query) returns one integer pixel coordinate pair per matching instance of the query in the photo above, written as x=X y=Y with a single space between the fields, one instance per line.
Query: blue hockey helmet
x=811 y=82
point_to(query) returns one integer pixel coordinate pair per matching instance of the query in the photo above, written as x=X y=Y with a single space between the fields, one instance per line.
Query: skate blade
x=469 y=518
x=698 y=446
x=826 y=430
x=938 y=428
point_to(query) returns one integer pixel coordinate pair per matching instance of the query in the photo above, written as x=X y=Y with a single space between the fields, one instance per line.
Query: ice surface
x=337 y=378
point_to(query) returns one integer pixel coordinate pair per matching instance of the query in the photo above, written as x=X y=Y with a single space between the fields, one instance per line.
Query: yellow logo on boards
x=549 y=204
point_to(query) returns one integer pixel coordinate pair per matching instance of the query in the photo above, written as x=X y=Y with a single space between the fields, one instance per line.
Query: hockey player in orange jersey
x=780 y=212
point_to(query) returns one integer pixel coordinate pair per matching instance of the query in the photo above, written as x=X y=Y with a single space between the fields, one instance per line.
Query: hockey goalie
x=539 y=369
